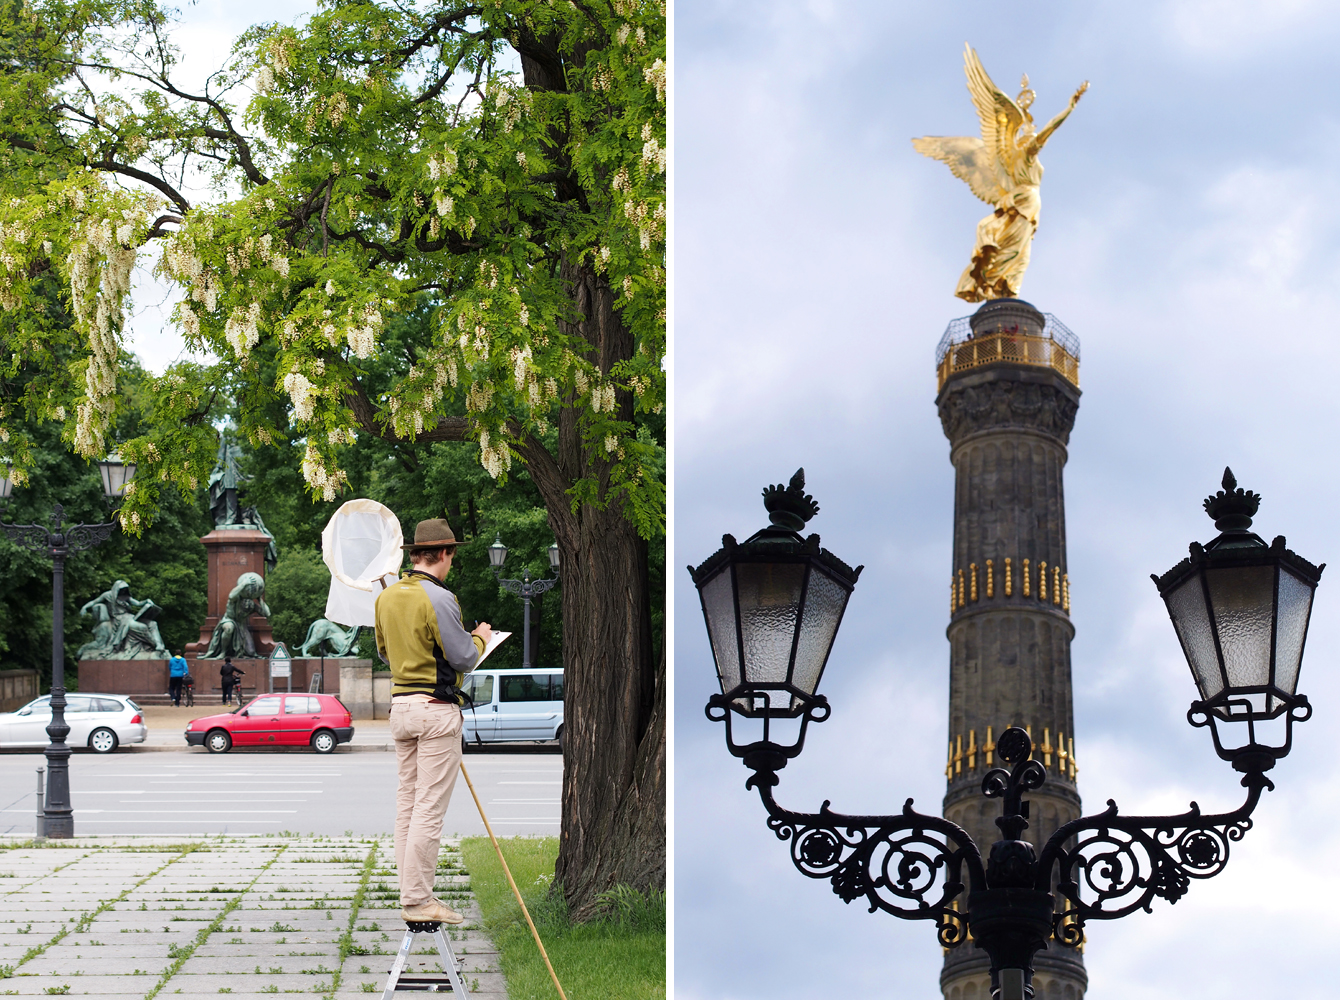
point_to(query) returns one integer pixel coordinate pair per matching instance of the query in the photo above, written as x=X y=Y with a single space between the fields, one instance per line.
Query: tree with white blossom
x=504 y=162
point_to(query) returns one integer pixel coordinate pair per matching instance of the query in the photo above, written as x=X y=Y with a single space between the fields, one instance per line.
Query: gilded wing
x=970 y=160
x=1001 y=117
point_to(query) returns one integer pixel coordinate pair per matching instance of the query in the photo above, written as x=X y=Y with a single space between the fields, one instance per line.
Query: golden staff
x=512 y=882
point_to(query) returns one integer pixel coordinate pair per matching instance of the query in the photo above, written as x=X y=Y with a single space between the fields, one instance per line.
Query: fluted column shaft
x=1009 y=631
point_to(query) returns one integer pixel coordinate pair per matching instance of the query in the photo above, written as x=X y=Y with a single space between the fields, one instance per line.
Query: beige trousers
x=428 y=756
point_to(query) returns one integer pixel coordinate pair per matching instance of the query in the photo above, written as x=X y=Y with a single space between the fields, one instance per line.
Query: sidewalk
x=246 y=916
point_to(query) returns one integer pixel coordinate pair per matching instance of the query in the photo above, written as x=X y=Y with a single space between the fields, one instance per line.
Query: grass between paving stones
x=86 y=919
x=182 y=953
x=620 y=957
x=347 y=938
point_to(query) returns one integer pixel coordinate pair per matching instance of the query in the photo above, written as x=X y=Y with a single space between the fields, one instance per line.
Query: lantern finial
x=789 y=507
x=1232 y=507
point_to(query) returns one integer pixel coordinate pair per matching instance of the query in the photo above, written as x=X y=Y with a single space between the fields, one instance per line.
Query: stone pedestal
x=17 y=688
x=356 y=687
x=129 y=677
x=232 y=552
x=1007 y=404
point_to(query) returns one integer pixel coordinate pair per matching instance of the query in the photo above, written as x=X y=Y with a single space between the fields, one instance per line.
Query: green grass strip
x=621 y=957
x=184 y=953
x=347 y=938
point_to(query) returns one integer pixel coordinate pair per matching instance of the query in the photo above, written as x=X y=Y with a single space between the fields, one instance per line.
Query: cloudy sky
x=1189 y=237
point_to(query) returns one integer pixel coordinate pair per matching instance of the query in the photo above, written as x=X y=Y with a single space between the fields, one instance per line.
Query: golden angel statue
x=1002 y=169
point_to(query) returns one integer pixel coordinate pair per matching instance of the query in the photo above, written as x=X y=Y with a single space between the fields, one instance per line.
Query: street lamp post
x=59 y=541
x=525 y=588
x=1240 y=608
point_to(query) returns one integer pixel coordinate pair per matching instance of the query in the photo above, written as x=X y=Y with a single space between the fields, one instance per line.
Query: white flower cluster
x=495 y=458
x=299 y=390
x=478 y=397
x=362 y=337
x=602 y=398
x=443 y=165
x=511 y=105
x=242 y=330
x=100 y=266
x=337 y=108
x=521 y=357
x=342 y=435
x=652 y=153
x=318 y=476
x=650 y=224
x=655 y=75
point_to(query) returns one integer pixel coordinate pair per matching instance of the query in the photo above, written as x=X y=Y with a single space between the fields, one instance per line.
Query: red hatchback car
x=282 y=720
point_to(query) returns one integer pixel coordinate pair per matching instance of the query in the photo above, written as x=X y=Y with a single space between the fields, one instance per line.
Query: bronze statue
x=225 y=484
x=232 y=636
x=1002 y=169
x=123 y=628
x=325 y=638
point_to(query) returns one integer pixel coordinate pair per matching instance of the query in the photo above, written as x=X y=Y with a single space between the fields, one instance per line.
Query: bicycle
x=188 y=691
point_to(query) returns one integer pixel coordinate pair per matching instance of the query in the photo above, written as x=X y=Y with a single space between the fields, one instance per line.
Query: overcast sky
x=1189 y=238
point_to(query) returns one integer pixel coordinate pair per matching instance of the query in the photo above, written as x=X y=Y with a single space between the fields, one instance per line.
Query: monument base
x=232 y=552
x=138 y=679
x=256 y=676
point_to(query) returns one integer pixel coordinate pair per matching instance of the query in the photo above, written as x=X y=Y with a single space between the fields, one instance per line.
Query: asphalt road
x=193 y=793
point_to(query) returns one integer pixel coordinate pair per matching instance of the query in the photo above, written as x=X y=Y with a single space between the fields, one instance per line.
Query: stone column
x=1007 y=403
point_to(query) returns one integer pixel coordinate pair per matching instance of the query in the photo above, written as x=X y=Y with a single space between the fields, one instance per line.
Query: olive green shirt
x=420 y=635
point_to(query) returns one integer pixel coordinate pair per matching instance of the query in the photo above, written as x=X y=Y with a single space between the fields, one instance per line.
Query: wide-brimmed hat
x=432 y=534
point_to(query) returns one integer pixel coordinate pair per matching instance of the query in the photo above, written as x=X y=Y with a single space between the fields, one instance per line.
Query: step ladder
x=421 y=982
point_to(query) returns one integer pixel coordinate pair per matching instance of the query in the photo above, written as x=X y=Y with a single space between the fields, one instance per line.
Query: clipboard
x=493 y=644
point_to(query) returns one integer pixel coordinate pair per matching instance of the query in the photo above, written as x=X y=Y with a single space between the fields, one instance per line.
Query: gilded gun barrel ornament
x=1002 y=169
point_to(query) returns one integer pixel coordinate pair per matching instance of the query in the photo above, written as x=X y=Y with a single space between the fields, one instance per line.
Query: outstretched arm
x=1055 y=123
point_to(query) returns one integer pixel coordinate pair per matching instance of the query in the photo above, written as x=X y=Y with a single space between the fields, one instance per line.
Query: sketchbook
x=493 y=644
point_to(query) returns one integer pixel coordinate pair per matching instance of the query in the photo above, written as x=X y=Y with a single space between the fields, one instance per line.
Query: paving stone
x=53 y=889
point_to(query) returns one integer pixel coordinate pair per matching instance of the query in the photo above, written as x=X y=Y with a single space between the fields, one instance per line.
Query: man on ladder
x=420 y=635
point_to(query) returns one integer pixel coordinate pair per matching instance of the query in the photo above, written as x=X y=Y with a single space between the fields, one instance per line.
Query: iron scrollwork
x=87 y=536
x=75 y=538
x=913 y=866
x=1130 y=860
x=910 y=865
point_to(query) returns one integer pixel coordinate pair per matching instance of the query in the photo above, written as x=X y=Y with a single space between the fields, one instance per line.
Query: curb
x=342 y=748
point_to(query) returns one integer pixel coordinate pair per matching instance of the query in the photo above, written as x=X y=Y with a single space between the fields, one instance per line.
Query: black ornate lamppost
x=1240 y=608
x=59 y=541
x=525 y=588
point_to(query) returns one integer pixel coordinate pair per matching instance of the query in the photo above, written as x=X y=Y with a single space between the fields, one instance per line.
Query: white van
x=514 y=705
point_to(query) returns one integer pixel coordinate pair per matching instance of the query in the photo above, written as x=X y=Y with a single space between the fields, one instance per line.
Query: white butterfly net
x=362 y=546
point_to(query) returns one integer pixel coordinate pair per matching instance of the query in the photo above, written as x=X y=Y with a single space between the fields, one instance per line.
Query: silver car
x=99 y=721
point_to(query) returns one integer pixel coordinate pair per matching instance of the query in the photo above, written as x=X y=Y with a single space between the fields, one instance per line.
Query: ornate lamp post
x=59 y=541
x=1240 y=608
x=526 y=588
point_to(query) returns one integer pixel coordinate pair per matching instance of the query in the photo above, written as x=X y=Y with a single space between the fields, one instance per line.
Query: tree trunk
x=613 y=829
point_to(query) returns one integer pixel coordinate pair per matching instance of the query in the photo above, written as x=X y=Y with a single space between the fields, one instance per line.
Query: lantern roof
x=1232 y=509
x=789 y=508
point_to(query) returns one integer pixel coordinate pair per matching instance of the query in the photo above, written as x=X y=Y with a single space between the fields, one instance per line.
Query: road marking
x=538 y=802
x=223 y=821
x=227 y=813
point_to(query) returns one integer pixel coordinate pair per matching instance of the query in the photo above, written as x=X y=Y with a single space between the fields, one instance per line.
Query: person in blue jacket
x=177 y=670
